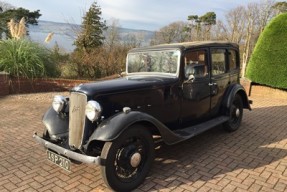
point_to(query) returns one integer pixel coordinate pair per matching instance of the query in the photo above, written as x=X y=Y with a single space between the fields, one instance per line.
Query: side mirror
x=189 y=72
x=195 y=71
x=191 y=78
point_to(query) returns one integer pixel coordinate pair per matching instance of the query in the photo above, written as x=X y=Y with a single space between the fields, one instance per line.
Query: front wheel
x=235 y=113
x=128 y=159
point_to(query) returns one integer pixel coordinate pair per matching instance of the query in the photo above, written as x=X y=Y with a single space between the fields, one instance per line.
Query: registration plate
x=59 y=160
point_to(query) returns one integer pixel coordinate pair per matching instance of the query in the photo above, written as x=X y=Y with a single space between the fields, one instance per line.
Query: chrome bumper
x=67 y=153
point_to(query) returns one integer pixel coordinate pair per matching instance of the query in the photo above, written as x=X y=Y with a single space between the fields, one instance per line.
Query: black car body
x=175 y=91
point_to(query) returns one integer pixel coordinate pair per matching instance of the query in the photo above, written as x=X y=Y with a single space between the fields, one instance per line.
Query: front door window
x=196 y=64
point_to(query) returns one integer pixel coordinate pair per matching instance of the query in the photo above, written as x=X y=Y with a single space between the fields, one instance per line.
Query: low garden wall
x=22 y=85
x=10 y=85
x=4 y=84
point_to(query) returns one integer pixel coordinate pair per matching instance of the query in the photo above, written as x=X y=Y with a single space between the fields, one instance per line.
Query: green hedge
x=268 y=63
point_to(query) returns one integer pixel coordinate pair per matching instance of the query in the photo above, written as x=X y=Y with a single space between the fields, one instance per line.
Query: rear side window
x=232 y=60
x=218 y=61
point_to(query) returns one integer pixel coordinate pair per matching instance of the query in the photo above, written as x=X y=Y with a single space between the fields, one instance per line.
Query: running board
x=192 y=131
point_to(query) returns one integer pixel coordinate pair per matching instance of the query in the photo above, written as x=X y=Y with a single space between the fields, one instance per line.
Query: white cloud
x=140 y=14
x=162 y=12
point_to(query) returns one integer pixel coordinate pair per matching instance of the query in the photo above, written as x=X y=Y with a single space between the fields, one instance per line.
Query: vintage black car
x=171 y=91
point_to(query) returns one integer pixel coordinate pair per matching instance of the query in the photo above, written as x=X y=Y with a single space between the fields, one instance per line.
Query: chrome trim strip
x=67 y=153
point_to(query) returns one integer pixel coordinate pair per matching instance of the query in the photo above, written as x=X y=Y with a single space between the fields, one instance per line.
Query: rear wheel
x=235 y=113
x=128 y=159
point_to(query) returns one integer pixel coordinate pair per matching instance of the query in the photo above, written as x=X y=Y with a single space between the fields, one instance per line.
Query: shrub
x=100 y=62
x=268 y=63
x=23 y=58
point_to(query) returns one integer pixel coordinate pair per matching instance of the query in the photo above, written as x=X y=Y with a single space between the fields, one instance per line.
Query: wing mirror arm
x=190 y=79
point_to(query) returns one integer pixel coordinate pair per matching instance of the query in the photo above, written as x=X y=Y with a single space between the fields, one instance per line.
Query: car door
x=195 y=105
x=220 y=78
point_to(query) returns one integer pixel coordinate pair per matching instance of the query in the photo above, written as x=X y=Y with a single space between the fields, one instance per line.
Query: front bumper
x=68 y=153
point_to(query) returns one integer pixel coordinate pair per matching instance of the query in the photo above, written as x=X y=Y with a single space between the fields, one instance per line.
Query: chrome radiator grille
x=78 y=102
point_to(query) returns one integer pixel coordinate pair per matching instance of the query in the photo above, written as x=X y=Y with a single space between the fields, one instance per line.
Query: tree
x=234 y=26
x=17 y=15
x=91 y=35
x=172 y=33
x=105 y=60
x=266 y=12
x=194 y=24
x=280 y=7
x=112 y=37
x=133 y=40
x=111 y=50
x=243 y=25
x=200 y=26
x=257 y=16
x=268 y=63
x=5 y=6
x=208 y=20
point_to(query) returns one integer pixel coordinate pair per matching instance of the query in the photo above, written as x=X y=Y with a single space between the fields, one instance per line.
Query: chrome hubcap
x=135 y=159
x=237 y=112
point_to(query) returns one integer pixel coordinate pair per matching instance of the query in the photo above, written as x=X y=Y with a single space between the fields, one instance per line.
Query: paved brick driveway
x=252 y=159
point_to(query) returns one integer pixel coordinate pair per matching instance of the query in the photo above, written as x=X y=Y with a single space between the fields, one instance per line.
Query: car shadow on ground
x=216 y=153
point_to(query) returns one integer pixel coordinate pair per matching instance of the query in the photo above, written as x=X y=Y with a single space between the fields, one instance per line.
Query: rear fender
x=230 y=94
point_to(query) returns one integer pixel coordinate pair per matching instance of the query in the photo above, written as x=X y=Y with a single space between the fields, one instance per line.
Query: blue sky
x=134 y=14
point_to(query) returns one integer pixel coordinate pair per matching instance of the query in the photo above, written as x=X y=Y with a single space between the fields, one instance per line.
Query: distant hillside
x=65 y=34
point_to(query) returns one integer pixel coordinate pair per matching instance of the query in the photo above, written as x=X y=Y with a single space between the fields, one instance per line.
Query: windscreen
x=166 y=61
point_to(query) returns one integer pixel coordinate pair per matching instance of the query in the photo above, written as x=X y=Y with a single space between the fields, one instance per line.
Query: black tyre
x=128 y=159
x=235 y=113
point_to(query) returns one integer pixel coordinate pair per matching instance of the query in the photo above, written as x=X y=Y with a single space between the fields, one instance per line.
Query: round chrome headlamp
x=58 y=103
x=93 y=110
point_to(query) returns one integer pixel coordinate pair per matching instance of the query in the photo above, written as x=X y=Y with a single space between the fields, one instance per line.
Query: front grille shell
x=77 y=118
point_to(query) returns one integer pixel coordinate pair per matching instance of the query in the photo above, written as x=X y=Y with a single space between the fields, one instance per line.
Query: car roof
x=187 y=45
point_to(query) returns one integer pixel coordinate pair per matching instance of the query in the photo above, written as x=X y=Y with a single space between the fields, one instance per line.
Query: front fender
x=111 y=128
x=55 y=123
x=230 y=94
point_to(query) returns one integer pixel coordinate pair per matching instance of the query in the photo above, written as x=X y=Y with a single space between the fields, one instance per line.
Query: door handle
x=212 y=84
